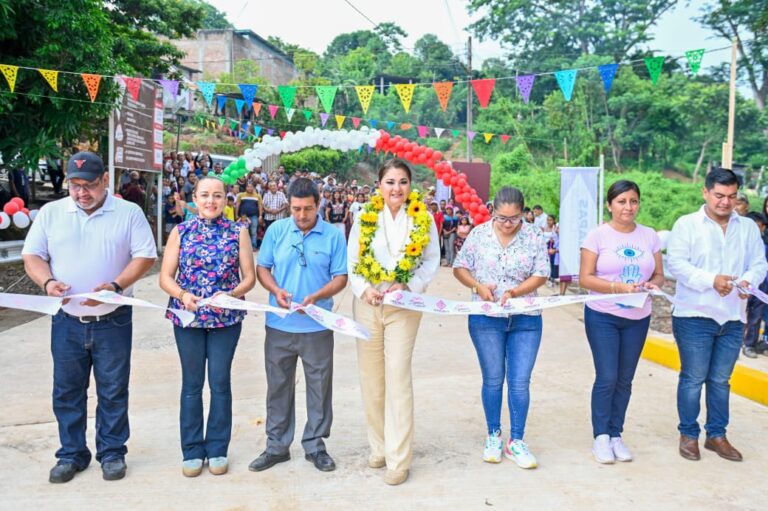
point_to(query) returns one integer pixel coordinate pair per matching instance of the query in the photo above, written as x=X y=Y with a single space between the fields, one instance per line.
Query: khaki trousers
x=385 y=379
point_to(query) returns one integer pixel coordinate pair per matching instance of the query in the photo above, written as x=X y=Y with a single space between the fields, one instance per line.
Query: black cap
x=85 y=165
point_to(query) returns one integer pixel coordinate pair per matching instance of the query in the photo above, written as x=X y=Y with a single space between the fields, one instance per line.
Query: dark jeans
x=506 y=346
x=708 y=353
x=253 y=230
x=77 y=347
x=755 y=312
x=616 y=345
x=57 y=179
x=196 y=346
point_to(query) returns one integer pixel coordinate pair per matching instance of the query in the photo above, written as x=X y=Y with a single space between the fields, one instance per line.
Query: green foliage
x=315 y=159
x=212 y=17
x=227 y=148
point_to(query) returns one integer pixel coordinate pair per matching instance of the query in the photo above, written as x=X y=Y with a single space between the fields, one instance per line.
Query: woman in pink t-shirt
x=620 y=256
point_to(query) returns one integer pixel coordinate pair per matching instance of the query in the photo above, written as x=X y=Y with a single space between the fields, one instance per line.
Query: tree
x=391 y=34
x=747 y=22
x=438 y=62
x=212 y=17
x=533 y=28
x=305 y=60
x=107 y=38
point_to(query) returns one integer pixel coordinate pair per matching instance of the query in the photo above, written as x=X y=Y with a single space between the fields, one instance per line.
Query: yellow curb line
x=745 y=381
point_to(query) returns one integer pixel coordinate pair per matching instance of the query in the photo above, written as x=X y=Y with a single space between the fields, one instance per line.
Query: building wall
x=275 y=67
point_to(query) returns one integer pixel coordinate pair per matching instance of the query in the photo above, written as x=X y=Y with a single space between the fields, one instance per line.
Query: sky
x=314 y=23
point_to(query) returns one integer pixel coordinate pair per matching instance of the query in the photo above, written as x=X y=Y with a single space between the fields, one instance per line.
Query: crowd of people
x=397 y=240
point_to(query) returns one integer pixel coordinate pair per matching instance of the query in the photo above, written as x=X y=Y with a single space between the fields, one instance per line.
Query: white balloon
x=256 y=163
x=21 y=220
x=33 y=214
x=5 y=220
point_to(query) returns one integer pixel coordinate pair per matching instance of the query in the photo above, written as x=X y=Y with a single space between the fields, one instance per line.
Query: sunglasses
x=300 y=249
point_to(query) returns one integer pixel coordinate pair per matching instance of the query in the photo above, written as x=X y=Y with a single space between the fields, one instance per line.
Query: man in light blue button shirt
x=303 y=260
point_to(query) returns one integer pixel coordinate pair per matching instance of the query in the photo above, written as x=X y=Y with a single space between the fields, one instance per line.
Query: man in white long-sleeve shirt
x=707 y=251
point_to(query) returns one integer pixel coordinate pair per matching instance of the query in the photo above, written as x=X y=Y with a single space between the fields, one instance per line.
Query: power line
x=361 y=13
x=450 y=17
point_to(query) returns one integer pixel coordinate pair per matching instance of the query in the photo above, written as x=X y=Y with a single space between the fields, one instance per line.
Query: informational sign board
x=138 y=130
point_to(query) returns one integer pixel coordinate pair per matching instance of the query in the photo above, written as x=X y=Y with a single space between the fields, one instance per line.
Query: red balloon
x=461 y=182
x=25 y=211
x=420 y=158
x=10 y=208
x=429 y=152
x=19 y=201
x=446 y=180
x=454 y=180
x=437 y=155
x=473 y=208
x=399 y=146
x=408 y=156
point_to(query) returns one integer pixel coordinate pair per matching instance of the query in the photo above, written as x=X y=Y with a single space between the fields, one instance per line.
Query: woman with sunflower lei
x=393 y=246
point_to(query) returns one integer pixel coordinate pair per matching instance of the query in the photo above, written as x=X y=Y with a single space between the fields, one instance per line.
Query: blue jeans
x=217 y=347
x=506 y=346
x=253 y=230
x=708 y=353
x=77 y=347
x=616 y=345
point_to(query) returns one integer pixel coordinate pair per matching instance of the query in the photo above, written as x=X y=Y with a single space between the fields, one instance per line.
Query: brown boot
x=689 y=448
x=723 y=448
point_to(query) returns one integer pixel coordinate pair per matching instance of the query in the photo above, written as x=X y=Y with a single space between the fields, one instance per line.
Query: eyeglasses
x=513 y=220
x=91 y=187
x=300 y=249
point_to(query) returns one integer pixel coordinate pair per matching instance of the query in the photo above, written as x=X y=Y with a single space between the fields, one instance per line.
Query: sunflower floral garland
x=368 y=267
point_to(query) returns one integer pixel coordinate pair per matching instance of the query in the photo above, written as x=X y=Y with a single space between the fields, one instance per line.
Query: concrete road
x=447 y=471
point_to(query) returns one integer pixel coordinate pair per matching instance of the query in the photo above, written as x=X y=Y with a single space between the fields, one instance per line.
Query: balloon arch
x=352 y=140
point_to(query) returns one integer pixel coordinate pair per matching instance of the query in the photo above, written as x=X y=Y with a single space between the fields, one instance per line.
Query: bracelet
x=45 y=285
x=181 y=295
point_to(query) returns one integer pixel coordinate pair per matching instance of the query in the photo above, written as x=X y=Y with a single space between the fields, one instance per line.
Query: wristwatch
x=474 y=289
x=118 y=289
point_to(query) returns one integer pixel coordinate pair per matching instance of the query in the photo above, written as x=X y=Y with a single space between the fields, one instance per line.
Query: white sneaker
x=493 y=446
x=620 y=450
x=517 y=451
x=601 y=449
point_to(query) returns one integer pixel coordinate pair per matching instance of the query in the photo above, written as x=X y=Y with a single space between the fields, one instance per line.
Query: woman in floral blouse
x=500 y=260
x=205 y=256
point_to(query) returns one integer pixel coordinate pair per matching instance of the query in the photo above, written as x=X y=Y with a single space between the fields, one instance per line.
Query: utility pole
x=728 y=144
x=565 y=150
x=469 y=97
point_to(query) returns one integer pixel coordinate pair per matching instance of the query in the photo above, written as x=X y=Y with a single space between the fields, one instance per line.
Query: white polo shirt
x=85 y=251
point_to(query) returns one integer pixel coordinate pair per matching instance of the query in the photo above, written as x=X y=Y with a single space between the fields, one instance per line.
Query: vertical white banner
x=578 y=213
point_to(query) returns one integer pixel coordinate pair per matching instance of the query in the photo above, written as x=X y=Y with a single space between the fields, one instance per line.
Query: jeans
x=616 y=345
x=448 y=242
x=506 y=346
x=708 y=353
x=77 y=347
x=253 y=230
x=755 y=312
x=217 y=347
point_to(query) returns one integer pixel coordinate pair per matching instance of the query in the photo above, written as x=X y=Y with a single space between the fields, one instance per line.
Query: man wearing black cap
x=89 y=241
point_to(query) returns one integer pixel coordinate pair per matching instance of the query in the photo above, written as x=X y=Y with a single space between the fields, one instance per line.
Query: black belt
x=94 y=319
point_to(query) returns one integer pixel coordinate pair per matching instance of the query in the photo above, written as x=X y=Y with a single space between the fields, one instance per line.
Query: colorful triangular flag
x=52 y=77
x=364 y=95
x=525 y=85
x=239 y=104
x=10 y=73
x=256 y=109
x=406 y=126
x=439 y=131
x=257 y=130
x=222 y=121
x=405 y=91
x=340 y=120
x=607 y=73
x=133 y=85
x=471 y=135
x=172 y=86
x=422 y=131
x=248 y=91
x=443 y=91
x=287 y=94
x=487 y=137
x=694 y=59
x=232 y=125
x=207 y=89
x=373 y=123
x=273 y=110
x=483 y=90
x=289 y=113
x=92 y=84
x=356 y=122
x=390 y=125
x=455 y=133
x=308 y=115
x=654 y=65
x=326 y=93
x=221 y=101
x=504 y=139
x=323 y=118
x=566 y=80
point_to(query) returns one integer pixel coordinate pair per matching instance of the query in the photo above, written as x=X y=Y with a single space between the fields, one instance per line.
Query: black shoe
x=63 y=472
x=322 y=461
x=267 y=460
x=761 y=348
x=114 y=469
x=749 y=352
